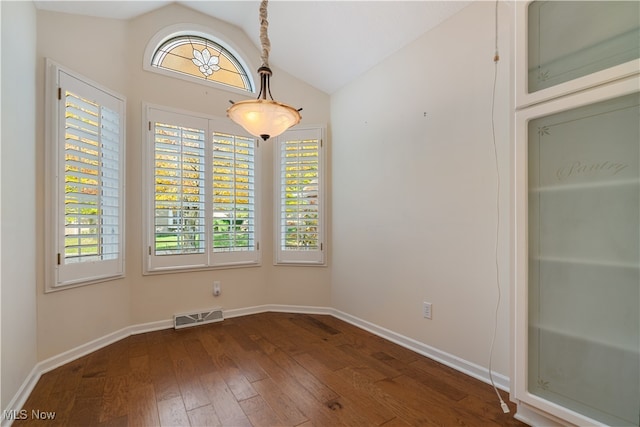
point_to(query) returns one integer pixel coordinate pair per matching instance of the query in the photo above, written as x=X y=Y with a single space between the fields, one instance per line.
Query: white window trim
x=52 y=237
x=210 y=260
x=302 y=257
x=193 y=29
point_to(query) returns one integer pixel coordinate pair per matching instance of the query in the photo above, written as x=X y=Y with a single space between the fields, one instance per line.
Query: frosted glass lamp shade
x=263 y=118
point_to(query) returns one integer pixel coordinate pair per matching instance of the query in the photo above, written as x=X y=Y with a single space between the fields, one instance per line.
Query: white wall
x=110 y=52
x=17 y=177
x=414 y=196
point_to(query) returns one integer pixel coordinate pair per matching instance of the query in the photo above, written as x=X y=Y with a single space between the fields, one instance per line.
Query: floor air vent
x=193 y=319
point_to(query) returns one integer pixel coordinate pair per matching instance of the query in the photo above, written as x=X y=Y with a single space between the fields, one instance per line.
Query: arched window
x=198 y=56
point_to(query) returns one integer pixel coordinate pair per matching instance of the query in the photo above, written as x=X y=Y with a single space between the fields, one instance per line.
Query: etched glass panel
x=571 y=39
x=584 y=259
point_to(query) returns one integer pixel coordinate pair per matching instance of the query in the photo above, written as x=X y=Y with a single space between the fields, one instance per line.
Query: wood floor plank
x=313 y=385
x=139 y=374
x=396 y=422
x=288 y=383
x=199 y=356
x=122 y=421
x=115 y=401
x=61 y=402
x=161 y=371
x=223 y=401
x=218 y=360
x=234 y=355
x=204 y=416
x=429 y=380
x=332 y=357
x=403 y=406
x=70 y=376
x=394 y=401
x=283 y=405
x=242 y=339
x=142 y=408
x=319 y=412
x=91 y=386
x=138 y=346
x=436 y=407
x=260 y=413
x=352 y=395
x=364 y=355
x=304 y=332
x=491 y=410
x=397 y=351
x=360 y=339
x=314 y=325
x=268 y=369
x=191 y=389
x=238 y=384
x=463 y=382
x=85 y=411
x=172 y=412
x=276 y=329
x=118 y=359
x=97 y=363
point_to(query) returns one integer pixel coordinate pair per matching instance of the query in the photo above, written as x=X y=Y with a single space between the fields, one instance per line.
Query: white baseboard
x=450 y=360
x=277 y=308
x=21 y=396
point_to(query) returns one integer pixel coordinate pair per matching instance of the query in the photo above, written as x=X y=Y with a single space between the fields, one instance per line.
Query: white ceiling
x=325 y=43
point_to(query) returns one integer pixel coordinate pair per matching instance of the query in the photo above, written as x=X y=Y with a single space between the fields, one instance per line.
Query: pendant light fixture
x=264 y=117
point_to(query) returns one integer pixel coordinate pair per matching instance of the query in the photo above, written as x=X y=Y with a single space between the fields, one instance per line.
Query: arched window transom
x=201 y=58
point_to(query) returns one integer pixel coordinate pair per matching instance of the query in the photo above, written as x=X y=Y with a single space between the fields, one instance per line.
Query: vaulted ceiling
x=325 y=43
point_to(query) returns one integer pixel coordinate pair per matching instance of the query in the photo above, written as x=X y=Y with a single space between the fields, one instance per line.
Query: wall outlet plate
x=426 y=310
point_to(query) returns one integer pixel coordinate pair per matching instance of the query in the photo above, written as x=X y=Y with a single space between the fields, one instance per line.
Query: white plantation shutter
x=201 y=209
x=87 y=160
x=179 y=201
x=178 y=190
x=299 y=197
x=234 y=219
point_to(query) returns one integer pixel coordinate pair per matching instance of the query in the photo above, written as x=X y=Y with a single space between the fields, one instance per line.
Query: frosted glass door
x=570 y=39
x=584 y=259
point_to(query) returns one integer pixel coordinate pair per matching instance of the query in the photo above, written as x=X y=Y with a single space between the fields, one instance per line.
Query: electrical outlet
x=216 y=288
x=426 y=310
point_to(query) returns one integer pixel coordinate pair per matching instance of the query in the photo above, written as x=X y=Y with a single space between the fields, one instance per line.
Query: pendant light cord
x=264 y=37
x=496 y=59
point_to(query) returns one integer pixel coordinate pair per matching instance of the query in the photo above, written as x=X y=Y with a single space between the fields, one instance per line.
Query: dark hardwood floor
x=270 y=369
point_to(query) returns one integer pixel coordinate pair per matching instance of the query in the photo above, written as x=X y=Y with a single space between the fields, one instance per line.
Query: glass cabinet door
x=566 y=46
x=570 y=39
x=584 y=259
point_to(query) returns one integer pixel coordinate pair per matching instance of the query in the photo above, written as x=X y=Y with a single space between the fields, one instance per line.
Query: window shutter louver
x=110 y=228
x=88 y=189
x=202 y=207
x=233 y=193
x=91 y=181
x=179 y=201
x=299 y=197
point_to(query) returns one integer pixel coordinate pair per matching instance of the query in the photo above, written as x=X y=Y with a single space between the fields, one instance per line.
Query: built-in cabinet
x=577 y=213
